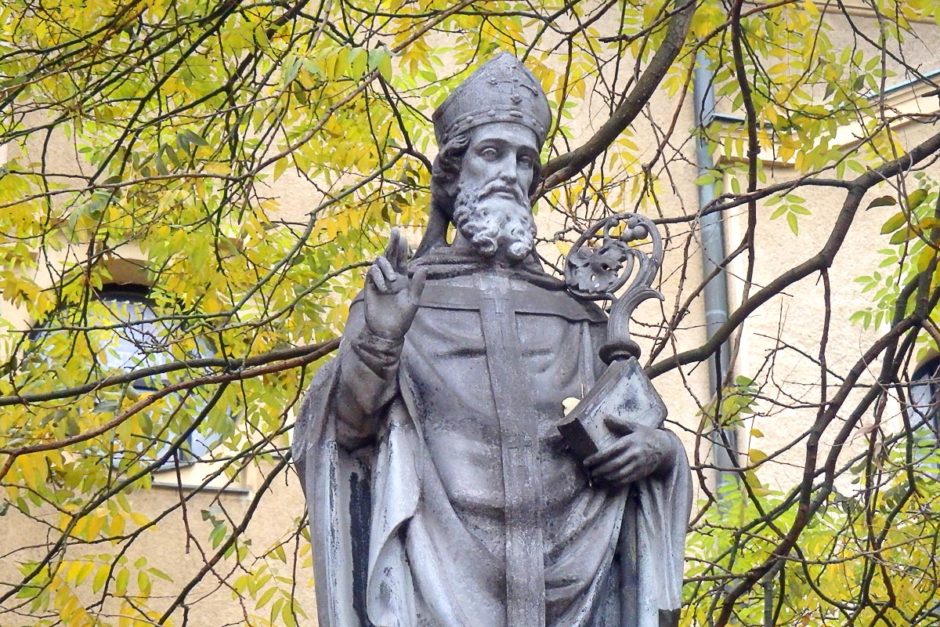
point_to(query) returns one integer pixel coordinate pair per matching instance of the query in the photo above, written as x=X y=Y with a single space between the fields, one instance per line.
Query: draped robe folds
x=410 y=522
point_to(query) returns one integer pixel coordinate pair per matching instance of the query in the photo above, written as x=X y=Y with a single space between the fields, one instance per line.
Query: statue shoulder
x=596 y=312
x=584 y=309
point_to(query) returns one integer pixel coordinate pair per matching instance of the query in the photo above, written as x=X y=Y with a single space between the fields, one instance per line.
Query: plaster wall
x=795 y=316
x=786 y=332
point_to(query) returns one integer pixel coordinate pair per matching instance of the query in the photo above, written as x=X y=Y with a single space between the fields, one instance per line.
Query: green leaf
x=915 y=198
x=792 y=221
x=161 y=167
x=289 y=70
x=217 y=535
x=276 y=610
x=381 y=60
x=279 y=166
x=358 y=62
x=171 y=154
x=261 y=38
x=160 y=574
x=882 y=201
x=120 y=582
x=194 y=137
x=861 y=317
x=287 y=616
x=101 y=576
x=266 y=597
x=706 y=178
x=903 y=236
x=342 y=63
x=893 y=223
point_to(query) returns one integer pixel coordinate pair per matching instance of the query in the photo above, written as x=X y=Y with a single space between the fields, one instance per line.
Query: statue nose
x=508 y=173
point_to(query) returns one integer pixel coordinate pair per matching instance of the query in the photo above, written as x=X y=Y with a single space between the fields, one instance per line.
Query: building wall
x=795 y=315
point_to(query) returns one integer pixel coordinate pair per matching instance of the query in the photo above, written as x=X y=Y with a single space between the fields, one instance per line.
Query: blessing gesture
x=391 y=296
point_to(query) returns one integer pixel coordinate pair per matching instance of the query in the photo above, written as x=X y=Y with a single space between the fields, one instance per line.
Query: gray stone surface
x=440 y=489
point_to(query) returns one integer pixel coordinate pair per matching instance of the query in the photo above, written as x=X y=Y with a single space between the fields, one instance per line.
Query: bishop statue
x=440 y=490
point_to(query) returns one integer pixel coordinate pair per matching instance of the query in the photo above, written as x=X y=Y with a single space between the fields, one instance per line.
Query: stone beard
x=495 y=219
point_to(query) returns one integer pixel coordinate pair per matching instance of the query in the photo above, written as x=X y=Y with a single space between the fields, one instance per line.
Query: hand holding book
x=638 y=452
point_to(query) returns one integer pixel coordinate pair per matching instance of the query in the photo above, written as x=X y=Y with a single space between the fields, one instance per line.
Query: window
x=143 y=343
x=925 y=403
x=924 y=416
x=128 y=335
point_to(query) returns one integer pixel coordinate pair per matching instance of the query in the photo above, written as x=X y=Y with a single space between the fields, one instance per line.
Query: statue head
x=490 y=131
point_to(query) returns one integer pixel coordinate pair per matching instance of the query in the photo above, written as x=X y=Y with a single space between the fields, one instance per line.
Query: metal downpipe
x=715 y=293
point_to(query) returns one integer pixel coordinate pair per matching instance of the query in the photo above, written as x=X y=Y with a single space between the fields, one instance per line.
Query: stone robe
x=414 y=522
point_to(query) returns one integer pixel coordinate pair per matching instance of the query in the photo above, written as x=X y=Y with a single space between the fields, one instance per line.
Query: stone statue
x=440 y=490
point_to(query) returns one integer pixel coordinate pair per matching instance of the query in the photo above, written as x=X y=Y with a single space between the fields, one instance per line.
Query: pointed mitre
x=501 y=90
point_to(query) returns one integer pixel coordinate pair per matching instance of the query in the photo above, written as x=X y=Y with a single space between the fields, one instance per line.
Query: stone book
x=624 y=391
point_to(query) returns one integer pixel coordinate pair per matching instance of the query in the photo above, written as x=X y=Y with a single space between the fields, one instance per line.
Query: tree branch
x=565 y=166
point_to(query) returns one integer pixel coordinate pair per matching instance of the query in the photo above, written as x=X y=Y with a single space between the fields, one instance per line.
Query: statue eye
x=526 y=160
x=489 y=153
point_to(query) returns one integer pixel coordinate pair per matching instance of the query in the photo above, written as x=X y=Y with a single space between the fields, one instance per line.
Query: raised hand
x=391 y=297
x=640 y=451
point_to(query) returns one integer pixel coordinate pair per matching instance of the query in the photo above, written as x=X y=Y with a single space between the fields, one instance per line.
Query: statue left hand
x=640 y=451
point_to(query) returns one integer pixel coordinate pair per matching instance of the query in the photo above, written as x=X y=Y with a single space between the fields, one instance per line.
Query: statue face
x=501 y=151
x=491 y=209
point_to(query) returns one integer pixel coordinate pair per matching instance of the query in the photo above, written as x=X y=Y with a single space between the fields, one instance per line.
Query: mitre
x=501 y=90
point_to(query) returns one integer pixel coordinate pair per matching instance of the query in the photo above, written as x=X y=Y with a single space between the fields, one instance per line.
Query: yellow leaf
x=217 y=167
x=279 y=166
x=771 y=112
x=33 y=469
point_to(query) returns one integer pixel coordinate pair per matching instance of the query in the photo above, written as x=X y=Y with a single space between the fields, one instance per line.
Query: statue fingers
x=394 y=280
x=397 y=251
x=626 y=475
x=404 y=251
x=394 y=242
x=628 y=456
x=608 y=453
x=377 y=278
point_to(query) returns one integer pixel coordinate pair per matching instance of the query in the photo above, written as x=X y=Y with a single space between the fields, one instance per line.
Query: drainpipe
x=715 y=294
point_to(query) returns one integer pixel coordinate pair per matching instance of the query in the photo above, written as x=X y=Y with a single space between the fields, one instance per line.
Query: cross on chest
x=518 y=428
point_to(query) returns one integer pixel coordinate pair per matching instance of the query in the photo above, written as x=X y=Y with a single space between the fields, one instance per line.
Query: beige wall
x=165 y=548
x=796 y=315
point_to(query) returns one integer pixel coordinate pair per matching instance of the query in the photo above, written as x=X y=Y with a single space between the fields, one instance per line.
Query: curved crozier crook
x=597 y=273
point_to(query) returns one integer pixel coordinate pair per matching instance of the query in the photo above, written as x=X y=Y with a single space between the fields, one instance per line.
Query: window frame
x=188 y=454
